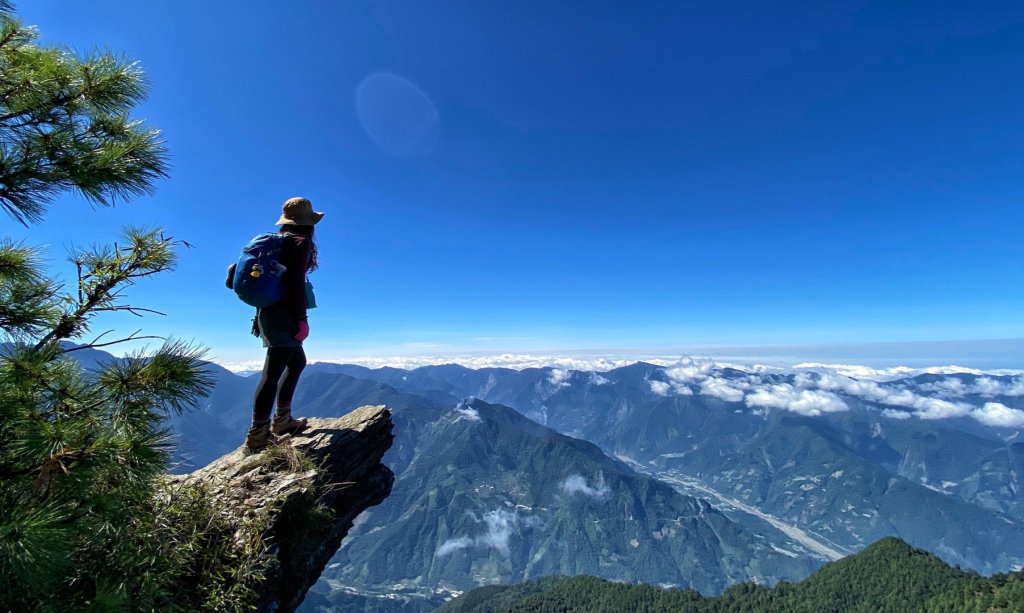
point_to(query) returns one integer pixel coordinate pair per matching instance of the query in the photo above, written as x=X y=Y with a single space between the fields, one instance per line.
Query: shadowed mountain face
x=490 y=496
x=865 y=467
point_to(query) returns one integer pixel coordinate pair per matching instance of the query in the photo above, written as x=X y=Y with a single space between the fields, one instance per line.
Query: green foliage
x=65 y=125
x=888 y=576
x=81 y=455
x=1003 y=592
x=179 y=553
x=87 y=519
x=103 y=274
x=27 y=304
x=582 y=593
x=284 y=458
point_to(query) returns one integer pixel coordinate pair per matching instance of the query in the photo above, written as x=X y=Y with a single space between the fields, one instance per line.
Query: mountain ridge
x=888 y=576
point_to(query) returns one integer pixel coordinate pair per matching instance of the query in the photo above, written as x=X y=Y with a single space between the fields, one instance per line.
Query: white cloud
x=577 y=484
x=935 y=408
x=682 y=390
x=453 y=545
x=501 y=525
x=660 y=387
x=946 y=387
x=702 y=372
x=1016 y=388
x=986 y=387
x=753 y=368
x=924 y=407
x=468 y=413
x=721 y=388
x=689 y=370
x=802 y=401
x=559 y=377
x=835 y=382
x=683 y=370
x=894 y=414
x=821 y=382
x=999 y=415
x=243 y=367
x=515 y=361
x=857 y=371
x=888 y=374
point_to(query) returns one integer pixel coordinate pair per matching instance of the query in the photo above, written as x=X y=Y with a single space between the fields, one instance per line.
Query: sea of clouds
x=515 y=361
x=812 y=388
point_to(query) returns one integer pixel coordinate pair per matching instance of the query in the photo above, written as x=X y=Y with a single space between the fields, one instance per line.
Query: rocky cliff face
x=303 y=496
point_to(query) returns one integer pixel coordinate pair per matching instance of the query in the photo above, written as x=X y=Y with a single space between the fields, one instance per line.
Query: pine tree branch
x=137 y=311
x=42 y=106
x=131 y=337
x=148 y=254
x=11 y=34
x=69 y=322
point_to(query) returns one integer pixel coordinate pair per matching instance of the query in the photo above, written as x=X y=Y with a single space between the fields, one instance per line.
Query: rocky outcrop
x=303 y=496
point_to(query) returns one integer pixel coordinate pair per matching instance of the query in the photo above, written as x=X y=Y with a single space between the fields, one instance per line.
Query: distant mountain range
x=693 y=476
x=937 y=460
x=484 y=495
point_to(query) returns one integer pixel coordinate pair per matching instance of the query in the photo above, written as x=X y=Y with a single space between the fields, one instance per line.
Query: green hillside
x=887 y=576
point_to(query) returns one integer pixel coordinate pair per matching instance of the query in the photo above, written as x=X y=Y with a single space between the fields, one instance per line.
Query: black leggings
x=287 y=361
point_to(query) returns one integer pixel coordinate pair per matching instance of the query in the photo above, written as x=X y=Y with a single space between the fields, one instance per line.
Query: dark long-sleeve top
x=295 y=256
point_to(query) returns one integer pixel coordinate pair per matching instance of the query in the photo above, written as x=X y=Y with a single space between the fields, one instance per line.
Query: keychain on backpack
x=258 y=272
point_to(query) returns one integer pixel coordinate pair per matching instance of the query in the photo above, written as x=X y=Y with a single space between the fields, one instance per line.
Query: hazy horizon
x=983 y=355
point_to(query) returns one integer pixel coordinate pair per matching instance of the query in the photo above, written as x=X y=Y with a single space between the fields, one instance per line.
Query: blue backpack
x=257 y=276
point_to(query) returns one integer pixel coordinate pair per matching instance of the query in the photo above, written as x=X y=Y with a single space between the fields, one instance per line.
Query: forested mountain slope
x=887 y=576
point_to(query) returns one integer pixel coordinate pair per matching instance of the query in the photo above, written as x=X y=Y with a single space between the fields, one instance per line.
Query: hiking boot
x=260 y=437
x=284 y=423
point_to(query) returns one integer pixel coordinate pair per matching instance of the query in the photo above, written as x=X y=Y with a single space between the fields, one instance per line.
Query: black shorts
x=278 y=326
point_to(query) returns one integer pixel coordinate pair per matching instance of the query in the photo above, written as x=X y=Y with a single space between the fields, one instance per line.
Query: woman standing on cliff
x=283 y=326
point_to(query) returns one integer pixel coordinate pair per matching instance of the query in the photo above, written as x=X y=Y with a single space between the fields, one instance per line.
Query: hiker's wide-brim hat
x=299 y=212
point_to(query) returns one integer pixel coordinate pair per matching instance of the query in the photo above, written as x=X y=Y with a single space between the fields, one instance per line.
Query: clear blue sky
x=581 y=175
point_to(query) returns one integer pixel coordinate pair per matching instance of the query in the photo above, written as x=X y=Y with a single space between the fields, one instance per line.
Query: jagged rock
x=305 y=502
